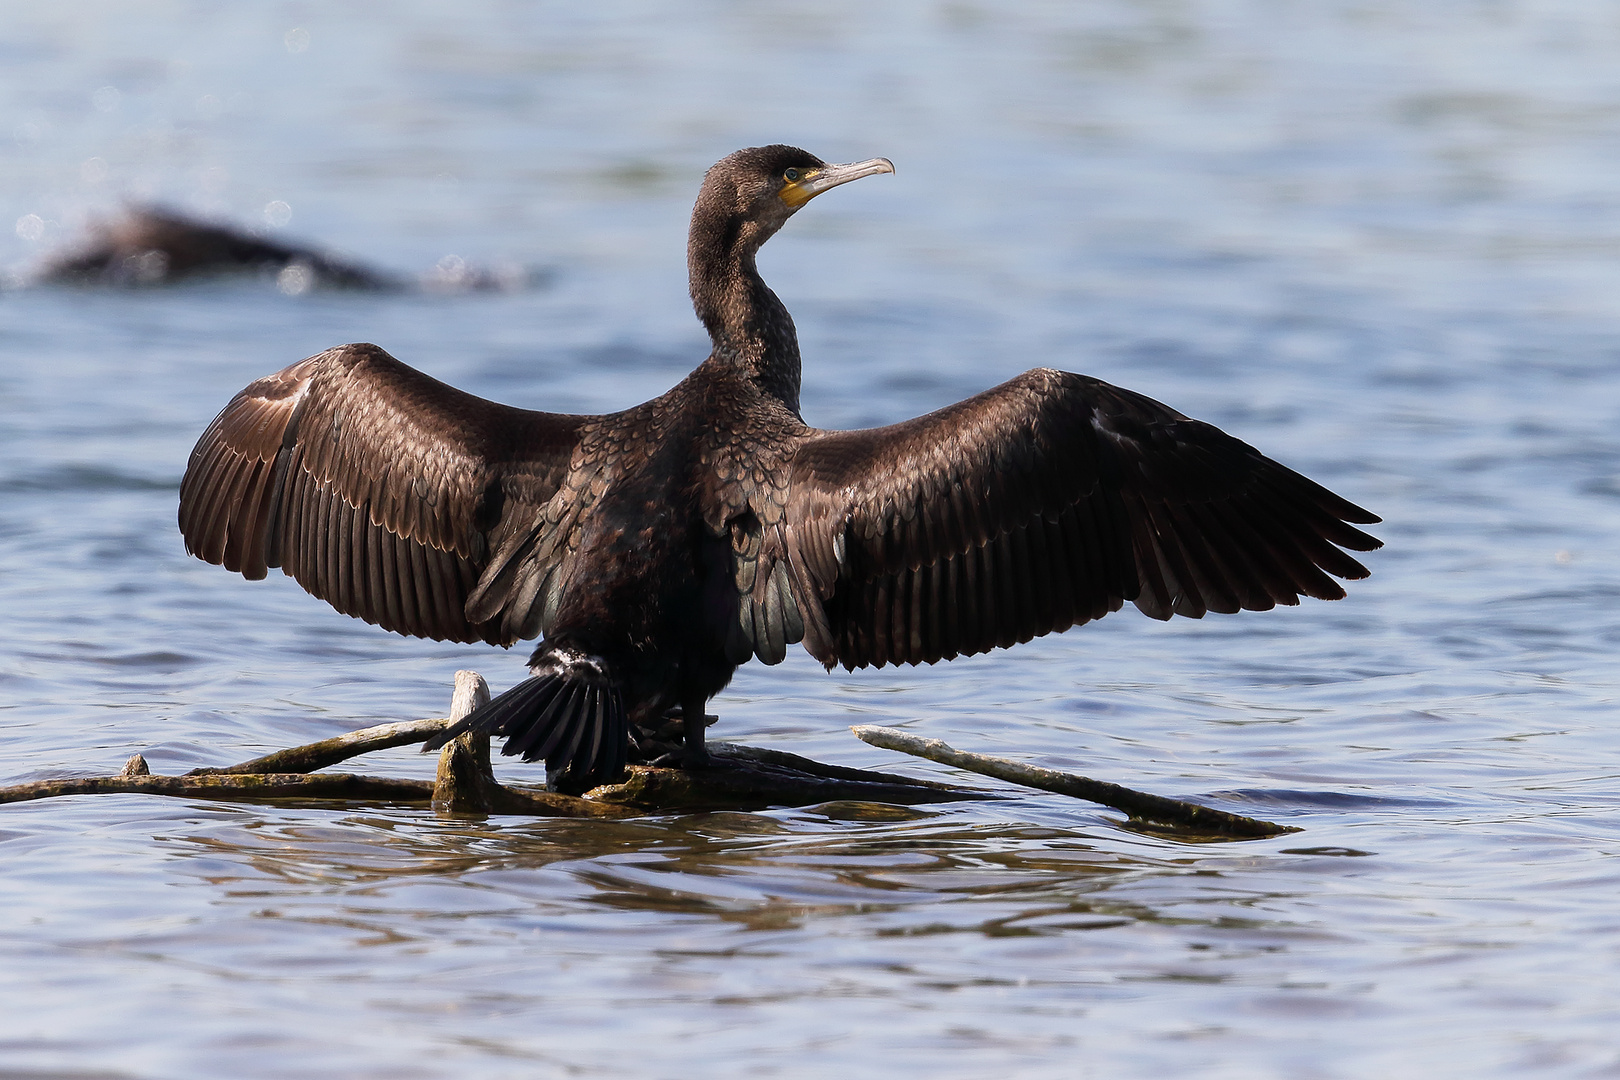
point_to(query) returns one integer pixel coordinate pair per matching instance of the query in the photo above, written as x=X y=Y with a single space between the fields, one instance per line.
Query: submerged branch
x=1138 y=804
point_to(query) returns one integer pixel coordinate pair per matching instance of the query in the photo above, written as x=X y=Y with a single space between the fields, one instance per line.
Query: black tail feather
x=576 y=725
x=529 y=740
x=615 y=733
x=555 y=728
x=600 y=745
x=579 y=707
x=597 y=721
x=588 y=731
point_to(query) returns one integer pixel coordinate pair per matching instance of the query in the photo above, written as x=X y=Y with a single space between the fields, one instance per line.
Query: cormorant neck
x=750 y=328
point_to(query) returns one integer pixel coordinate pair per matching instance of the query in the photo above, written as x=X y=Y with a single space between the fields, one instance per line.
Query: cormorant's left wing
x=1038 y=505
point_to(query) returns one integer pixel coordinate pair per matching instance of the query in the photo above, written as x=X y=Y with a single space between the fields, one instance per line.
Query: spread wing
x=1043 y=503
x=379 y=489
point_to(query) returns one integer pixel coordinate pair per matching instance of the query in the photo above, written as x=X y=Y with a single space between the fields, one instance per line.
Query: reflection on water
x=956 y=940
x=1374 y=240
x=760 y=871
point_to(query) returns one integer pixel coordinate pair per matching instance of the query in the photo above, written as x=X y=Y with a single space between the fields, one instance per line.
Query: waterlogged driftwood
x=1138 y=804
x=465 y=782
x=290 y=774
x=275 y=787
x=233 y=787
x=741 y=777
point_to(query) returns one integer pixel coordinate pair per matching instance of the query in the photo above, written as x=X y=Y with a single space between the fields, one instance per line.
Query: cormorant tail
x=570 y=712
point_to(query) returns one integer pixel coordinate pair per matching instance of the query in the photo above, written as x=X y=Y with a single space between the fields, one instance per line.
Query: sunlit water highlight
x=1377 y=241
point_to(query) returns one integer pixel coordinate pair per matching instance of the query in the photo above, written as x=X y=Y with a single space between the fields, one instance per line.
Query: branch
x=318 y=755
x=741 y=777
x=465 y=782
x=747 y=777
x=1138 y=804
x=272 y=787
x=259 y=787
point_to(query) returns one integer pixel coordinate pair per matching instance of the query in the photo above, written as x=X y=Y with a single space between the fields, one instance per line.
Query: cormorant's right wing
x=379 y=489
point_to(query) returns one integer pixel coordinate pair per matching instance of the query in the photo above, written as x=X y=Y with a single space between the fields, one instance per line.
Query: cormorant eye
x=791 y=175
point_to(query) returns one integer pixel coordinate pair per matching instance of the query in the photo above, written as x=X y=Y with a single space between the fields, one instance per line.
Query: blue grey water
x=1379 y=240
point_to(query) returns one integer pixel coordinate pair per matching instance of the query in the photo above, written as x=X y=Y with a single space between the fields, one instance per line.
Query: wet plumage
x=658 y=548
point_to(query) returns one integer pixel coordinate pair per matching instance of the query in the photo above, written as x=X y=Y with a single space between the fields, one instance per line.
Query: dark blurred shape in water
x=152 y=246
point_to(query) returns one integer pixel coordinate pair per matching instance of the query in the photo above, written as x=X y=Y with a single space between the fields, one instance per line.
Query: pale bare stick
x=1138 y=804
x=318 y=755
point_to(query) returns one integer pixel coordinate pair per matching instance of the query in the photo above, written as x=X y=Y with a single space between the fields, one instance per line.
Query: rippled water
x=1379 y=241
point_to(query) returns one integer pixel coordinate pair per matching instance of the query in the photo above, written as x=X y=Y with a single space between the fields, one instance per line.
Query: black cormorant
x=658 y=548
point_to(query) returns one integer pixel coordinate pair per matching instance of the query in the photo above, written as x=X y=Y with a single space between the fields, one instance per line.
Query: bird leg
x=693 y=721
x=669 y=741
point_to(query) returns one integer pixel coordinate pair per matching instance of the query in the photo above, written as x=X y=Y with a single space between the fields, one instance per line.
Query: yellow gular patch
x=794 y=192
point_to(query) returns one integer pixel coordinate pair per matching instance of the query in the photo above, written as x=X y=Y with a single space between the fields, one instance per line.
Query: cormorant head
x=748 y=195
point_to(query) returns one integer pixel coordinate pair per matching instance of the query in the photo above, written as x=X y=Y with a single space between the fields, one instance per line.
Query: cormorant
x=658 y=548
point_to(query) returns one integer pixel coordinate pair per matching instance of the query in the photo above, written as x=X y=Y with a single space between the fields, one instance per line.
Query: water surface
x=1378 y=241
